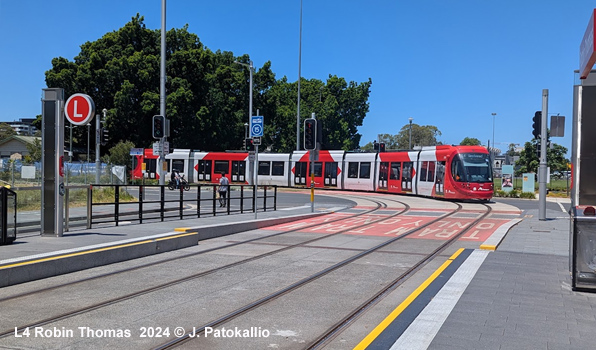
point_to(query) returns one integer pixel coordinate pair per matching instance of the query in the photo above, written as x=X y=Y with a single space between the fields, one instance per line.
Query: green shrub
x=528 y=195
x=107 y=195
x=499 y=193
x=513 y=194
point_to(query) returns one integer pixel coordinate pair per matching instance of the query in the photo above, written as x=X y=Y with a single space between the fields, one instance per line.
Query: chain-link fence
x=19 y=174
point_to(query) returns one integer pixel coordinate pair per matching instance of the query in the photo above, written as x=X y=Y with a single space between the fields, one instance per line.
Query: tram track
x=321 y=341
x=338 y=327
x=72 y=313
x=296 y=285
x=184 y=256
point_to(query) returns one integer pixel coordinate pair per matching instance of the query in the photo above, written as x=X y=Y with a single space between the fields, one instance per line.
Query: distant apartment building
x=24 y=126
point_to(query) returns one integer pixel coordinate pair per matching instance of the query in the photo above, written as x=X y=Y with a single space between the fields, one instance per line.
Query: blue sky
x=447 y=63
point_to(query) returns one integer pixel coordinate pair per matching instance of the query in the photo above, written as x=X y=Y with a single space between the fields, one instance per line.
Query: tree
x=511 y=150
x=340 y=107
x=470 y=142
x=120 y=154
x=207 y=93
x=34 y=150
x=421 y=136
x=528 y=161
x=6 y=131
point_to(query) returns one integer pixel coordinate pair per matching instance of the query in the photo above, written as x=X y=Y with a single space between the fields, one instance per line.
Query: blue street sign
x=256 y=126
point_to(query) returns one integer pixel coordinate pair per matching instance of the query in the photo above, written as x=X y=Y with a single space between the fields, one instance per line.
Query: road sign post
x=256 y=132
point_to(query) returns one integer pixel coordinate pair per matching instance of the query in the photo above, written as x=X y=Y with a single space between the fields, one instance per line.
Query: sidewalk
x=521 y=297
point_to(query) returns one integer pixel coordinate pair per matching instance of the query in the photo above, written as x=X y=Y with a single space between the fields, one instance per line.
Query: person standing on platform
x=223 y=189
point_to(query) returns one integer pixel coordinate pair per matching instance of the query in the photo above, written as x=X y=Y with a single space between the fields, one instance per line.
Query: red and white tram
x=452 y=172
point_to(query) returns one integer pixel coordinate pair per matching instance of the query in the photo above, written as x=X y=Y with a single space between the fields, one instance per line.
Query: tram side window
x=407 y=175
x=150 y=165
x=395 y=171
x=431 y=172
x=383 y=170
x=423 y=171
x=277 y=169
x=353 y=170
x=300 y=169
x=365 y=170
x=264 y=167
x=178 y=165
x=331 y=170
x=457 y=170
x=440 y=171
x=318 y=170
x=222 y=166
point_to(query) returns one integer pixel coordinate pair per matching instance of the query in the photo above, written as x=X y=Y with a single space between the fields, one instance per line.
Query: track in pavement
x=251 y=241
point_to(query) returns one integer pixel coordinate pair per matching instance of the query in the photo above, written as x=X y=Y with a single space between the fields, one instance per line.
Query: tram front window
x=472 y=167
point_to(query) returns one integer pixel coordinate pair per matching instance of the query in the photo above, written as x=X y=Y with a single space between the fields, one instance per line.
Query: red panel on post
x=587 y=56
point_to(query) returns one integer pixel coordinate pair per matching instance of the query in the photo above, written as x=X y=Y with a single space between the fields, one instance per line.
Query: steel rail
x=257 y=303
x=183 y=279
x=336 y=329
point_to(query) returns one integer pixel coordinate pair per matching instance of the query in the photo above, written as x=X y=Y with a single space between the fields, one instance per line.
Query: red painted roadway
x=441 y=230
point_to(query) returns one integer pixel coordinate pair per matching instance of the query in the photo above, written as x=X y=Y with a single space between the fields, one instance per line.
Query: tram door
x=440 y=179
x=383 y=172
x=318 y=174
x=395 y=177
x=238 y=171
x=204 y=170
x=300 y=173
x=151 y=167
x=331 y=174
x=406 y=178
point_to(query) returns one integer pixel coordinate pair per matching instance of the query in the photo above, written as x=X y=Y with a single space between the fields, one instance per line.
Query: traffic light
x=375 y=146
x=248 y=145
x=310 y=134
x=382 y=147
x=158 y=126
x=538 y=153
x=537 y=125
x=103 y=136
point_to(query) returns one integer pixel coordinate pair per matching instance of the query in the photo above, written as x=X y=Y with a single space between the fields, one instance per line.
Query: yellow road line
x=393 y=315
x=51 y=258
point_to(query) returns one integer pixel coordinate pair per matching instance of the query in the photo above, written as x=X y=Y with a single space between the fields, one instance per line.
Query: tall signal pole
x=162 y=92
x=542 y=167
x=299 y=77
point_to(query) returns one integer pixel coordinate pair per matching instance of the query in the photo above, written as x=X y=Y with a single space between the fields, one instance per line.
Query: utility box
x=582 y=246
x=8 y=216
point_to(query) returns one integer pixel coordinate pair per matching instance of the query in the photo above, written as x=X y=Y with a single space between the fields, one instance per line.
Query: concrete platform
x=515 y=296
x=35 y=257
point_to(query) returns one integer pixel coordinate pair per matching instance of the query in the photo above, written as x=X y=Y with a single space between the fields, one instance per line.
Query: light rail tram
x=450 y=172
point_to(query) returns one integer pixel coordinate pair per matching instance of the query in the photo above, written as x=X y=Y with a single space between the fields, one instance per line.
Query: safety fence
x=99 y=204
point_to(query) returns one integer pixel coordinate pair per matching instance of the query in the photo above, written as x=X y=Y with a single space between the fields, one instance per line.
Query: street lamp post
x=299 y=77
x=492 y=152
x=410 y=144
x=252 y=166
x=251 y=70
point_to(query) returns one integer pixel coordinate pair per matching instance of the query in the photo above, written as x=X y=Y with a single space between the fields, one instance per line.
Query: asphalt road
x=528 y=204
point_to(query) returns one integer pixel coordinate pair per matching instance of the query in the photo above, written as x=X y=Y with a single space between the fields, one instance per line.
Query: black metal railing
x=111 y=203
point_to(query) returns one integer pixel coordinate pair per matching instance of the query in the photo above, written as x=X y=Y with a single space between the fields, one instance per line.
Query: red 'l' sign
x=79 y=109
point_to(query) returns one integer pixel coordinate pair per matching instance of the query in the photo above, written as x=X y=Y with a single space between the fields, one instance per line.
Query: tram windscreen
x=472 y=167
